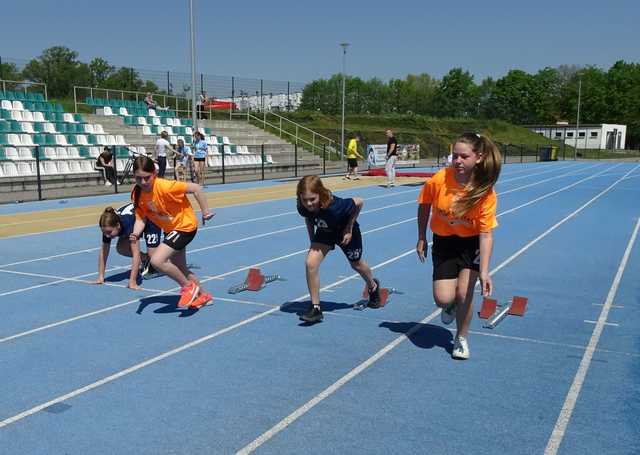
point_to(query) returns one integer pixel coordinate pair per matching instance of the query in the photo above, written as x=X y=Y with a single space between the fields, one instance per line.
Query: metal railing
x=178 y=103
x=296 y=133
x=22 y=86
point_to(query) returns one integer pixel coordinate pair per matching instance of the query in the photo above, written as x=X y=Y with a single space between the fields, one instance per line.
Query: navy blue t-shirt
x=127 y=218
x=330 y=222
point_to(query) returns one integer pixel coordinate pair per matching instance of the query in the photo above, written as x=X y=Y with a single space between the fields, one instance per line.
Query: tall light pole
x=194 y=113
x=344 y=64
x=575 y=146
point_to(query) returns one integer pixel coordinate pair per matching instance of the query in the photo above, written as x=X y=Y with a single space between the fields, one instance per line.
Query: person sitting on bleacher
x=148 y=100
x=106 y=163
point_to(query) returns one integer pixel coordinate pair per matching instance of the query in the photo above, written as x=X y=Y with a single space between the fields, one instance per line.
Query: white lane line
x=58 y=279
x=284 y=423
x=612 y=324
x=173 y=352
x=572 y=396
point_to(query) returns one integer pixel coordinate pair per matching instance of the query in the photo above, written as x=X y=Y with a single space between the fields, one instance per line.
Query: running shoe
x=374 y=296
x=312 y=315
x=448 y=314
x=188 y=294
x=201 y=300
x=460 y=349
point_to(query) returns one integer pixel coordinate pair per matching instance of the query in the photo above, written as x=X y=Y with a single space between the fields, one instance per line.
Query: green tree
x=546 y=96
x=513 y=97
x=59 y=68
x=624 y=98
x=457 y=95
x=100 y=71
x=9 y=72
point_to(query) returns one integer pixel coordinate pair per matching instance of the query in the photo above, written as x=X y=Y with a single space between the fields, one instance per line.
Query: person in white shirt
x=162 y=146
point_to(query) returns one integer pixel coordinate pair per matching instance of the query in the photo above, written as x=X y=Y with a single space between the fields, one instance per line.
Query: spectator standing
x=162 y=145
x=182 y=161
x=352 y=157
x=391 y=158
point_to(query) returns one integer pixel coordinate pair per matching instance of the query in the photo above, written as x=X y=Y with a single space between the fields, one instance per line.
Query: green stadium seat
x=38 y=127
x=19 y=96
x=4 y=127
x=16 y=127
x=50 y=139
x=39 y=96
x=39 y=139
x=58 y=108
x=71 y=139
x=78 y=118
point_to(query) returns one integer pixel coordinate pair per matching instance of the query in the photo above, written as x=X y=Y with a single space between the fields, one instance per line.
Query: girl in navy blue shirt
x=119 y=224
x=331 y=220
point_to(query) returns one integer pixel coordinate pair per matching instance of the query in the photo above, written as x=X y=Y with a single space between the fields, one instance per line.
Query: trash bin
x=554 y=153
x=544 y=153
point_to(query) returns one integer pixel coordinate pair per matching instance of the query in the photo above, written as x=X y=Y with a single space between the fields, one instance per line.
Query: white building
x=601 y=136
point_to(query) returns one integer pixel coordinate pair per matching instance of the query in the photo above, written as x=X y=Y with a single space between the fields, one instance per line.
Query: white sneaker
x=107 y=183
x=448 y=314
x=460 y=349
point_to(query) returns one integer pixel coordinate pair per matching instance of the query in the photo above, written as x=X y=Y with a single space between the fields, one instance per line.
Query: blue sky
x=299 y=41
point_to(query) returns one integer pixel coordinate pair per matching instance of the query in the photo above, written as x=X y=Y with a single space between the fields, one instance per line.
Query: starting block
x=517 y=307
x=254 y=282
x=384 y=297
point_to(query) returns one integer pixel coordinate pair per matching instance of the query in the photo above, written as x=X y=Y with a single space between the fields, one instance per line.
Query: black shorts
x=199 y=159
x=352 y=250
x=451 y=254
x=352 y=162
x=178 y=240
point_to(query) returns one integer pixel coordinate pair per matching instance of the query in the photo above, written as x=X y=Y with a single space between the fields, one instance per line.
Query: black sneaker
x=312 y=315
x=149 y=272
x=145 y=263
x=374 y=296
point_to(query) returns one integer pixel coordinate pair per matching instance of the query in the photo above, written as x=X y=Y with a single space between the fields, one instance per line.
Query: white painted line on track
x=612 y=324
x=58 y=279
x=572 y=396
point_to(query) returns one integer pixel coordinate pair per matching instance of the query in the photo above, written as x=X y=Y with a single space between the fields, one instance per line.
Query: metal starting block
x=254 y=282
x=384 y=297
x=517 y=307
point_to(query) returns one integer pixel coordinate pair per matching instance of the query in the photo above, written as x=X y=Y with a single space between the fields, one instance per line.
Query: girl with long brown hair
x=462 y=204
